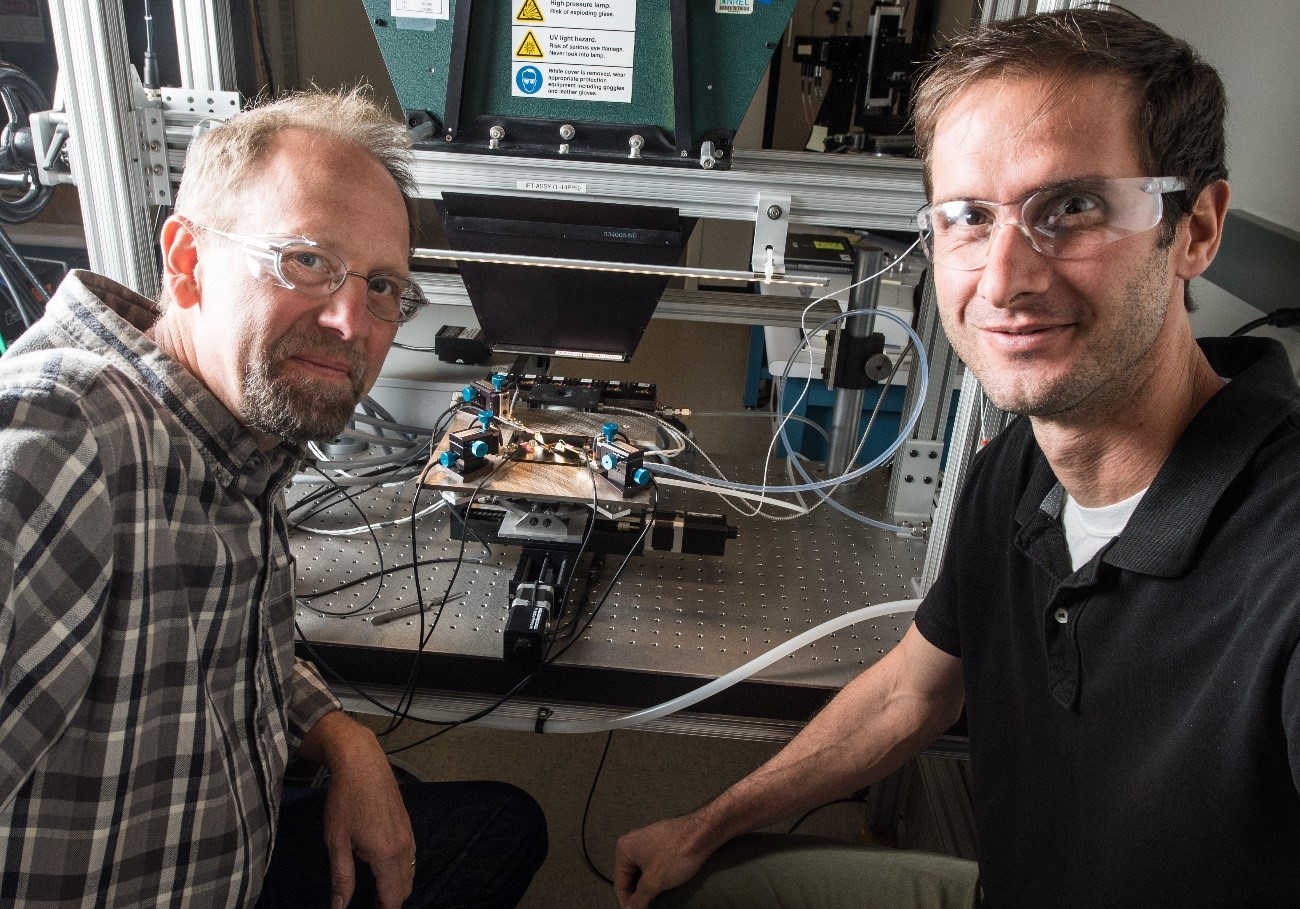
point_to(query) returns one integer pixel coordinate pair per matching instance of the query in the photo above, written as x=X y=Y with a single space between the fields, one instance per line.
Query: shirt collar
x=109 y=319
x=1162 y=536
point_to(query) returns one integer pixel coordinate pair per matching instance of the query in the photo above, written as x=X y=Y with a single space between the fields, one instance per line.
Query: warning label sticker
x=577 y=83
x=745 y=7
x=578 y=50
x=421 y=9
x=605 y=14
x=529 y=11
x=567 y=45
x=529 y=47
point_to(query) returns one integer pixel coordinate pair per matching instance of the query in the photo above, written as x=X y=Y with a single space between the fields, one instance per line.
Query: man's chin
x=301 y=416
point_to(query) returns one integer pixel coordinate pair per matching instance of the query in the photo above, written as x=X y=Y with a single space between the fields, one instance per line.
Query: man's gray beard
x=297 y=411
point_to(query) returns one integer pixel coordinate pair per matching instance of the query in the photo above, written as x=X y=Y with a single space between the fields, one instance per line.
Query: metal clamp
x=771 y=222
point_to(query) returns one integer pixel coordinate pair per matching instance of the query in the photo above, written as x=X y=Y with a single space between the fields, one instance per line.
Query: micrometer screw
x=608 y=430
x=485 y=417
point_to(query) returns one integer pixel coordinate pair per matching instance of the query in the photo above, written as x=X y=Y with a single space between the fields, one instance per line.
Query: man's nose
x=1014 y=265
x=346 y=310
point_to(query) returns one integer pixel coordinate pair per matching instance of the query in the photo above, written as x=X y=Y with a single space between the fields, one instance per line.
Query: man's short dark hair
x=1178 y=99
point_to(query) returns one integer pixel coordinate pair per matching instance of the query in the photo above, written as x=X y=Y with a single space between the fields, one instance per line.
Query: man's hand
x=653 y=859
x=364 y=813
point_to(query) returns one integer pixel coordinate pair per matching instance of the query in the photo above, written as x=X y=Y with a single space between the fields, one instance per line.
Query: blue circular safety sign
x=529 y=80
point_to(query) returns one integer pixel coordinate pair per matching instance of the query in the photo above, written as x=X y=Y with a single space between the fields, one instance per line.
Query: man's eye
x=305 y=258
x=963 y=215
x=383 y=286
x=1072 y=211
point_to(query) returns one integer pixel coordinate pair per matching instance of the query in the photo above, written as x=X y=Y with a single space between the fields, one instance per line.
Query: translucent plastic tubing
x=922 y=364
x=780 y=652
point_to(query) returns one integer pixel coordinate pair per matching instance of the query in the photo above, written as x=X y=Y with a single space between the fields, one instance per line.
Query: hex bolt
x=495 y=135
x=635 y=144
x=774 y=212
x=707 y=163
x=567 y=132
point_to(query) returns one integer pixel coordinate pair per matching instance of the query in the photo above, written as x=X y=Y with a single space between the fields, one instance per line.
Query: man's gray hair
x=226 y=155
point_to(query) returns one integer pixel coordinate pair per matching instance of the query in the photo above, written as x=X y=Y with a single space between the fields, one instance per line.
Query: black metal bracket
x=681 y=77
x=456 y=69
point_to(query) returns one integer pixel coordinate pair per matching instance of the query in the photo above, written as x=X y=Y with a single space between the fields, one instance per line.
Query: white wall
x=1255 y=46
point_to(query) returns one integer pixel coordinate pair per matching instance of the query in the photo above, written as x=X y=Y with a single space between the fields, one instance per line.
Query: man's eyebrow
x=1082 y=181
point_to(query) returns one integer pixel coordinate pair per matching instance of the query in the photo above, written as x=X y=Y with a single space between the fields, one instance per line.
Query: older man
x=1116 y=612
x=149 y=695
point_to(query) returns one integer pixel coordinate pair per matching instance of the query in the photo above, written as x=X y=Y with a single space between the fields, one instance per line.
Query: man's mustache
x=296 y=344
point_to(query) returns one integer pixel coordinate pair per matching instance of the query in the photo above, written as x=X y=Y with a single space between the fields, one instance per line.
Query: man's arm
x=364 y=813
x=56 y=557
x=882 y=718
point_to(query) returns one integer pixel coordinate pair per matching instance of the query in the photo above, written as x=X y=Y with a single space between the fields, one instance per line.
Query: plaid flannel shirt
x=149 y=693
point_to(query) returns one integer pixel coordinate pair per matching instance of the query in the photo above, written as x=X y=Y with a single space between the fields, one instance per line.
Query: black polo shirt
x=1135 y=725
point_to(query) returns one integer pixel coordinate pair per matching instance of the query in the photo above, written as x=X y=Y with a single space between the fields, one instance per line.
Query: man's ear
x=180 y=256
x=1201 y=232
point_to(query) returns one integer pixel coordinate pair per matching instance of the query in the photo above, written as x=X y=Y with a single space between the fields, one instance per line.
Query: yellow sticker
x=529 y=47
x=529 y=12
x=826 y=244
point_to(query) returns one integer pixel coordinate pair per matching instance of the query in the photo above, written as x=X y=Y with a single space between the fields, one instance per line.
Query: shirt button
x=1062 y=615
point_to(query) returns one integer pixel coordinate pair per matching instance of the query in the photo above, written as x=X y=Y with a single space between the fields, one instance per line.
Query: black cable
x=609 y=737
x=150 y=77
x=632 y=550
x=809 y=813
x=1279 y=318
x=379 y=553
x=381 y=475
x=392 y=569
x=407 y=698
x=546 y=661
x=474 y=717
x=323 y=664
x=577 y=558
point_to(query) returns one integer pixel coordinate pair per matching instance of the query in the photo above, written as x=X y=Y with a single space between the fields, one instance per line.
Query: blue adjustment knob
x=478 y=449
x=498 y=381
x=608 y=431
x=446 y=459
x=609 y=461
x=641 y=476
x=467 y=394
x=485 y=417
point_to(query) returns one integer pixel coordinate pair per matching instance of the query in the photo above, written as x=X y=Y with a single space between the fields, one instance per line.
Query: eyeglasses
x=304 y=265
x=1074 y=220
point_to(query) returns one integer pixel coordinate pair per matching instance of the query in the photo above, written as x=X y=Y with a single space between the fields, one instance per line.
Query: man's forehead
x=323 y=188
x=1001 y=137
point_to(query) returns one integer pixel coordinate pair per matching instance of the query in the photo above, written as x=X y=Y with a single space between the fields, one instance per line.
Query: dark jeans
x=477 y=845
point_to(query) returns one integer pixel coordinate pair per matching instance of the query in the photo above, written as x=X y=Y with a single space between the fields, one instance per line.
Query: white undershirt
x=1089 y=529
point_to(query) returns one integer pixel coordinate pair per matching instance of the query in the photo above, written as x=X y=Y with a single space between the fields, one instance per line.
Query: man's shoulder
x=71 y=394
x=65 y=372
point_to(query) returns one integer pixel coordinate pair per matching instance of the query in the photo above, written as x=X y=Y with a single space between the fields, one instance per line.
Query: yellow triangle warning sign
x=529 y=47
x=529 y=12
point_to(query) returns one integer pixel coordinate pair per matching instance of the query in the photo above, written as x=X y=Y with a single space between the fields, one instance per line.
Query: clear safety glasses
x=1075 y=220
x=305 y=266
